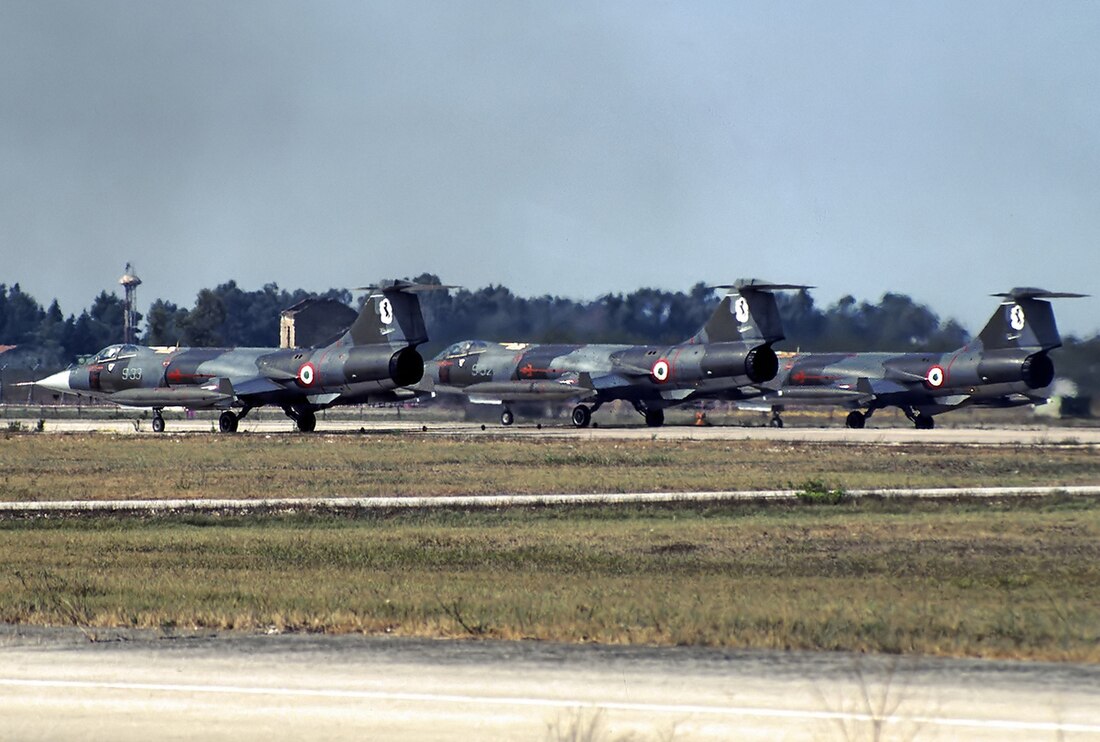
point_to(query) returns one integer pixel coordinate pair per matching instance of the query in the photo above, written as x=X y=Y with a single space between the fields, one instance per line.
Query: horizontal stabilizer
x=407 y=286
x=756 y=284
x=1028 y=292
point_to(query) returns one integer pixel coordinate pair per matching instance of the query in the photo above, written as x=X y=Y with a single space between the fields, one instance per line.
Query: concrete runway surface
x=54 y=684
x=1014 y=435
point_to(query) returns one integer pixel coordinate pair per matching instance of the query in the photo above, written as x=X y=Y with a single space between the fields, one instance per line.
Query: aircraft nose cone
x=59 y=382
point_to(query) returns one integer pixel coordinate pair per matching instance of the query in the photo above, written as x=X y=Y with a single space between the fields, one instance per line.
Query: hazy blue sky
x=943 y=150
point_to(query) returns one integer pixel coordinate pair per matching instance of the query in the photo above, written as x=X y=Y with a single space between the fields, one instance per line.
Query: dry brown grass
x=975 y=579
x=104 y=466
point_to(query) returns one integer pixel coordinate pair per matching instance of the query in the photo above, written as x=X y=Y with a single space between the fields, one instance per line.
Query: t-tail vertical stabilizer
x=1023 y=321
x=391 y=316
x=748 y=314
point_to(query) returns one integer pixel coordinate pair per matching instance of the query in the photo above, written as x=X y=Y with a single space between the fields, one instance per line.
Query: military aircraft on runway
x=1007 y=365
x=371 y=359
x=732 y=350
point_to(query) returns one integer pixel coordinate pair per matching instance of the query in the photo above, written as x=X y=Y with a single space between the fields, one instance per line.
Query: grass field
x=975 y=579
x=104 y=466
x=996 y=579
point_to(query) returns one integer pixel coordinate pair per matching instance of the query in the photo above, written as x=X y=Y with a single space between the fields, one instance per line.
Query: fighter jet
x=1007 y=365
x=371 y=359
x=733 y=349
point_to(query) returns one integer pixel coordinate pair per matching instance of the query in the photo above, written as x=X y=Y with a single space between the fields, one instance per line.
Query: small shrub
x=816 y=492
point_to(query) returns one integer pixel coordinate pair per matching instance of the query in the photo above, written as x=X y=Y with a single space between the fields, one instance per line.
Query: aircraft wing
x=882 y=387
x=257 y=385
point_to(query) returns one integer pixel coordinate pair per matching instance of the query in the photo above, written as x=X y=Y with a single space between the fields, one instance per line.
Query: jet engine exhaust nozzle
x=761 y=364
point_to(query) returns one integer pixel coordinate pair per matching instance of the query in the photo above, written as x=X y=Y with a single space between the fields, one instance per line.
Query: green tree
x=203 y=325
x=165 y=323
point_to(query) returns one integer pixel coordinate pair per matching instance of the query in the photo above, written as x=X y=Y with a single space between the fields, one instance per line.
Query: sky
x=943 y=150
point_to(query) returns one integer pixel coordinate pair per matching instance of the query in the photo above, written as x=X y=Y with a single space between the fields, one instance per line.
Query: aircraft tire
x=307 y=421
x=776 y=422
x=227 y=422
x=855 y=420
x=158 y=424
x=506 y=417
x=924 y=422
x=581 y=416
x=655 y=418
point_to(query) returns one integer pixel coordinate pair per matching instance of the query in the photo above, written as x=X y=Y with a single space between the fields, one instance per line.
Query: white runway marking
x=445 y=501
x=562 y=704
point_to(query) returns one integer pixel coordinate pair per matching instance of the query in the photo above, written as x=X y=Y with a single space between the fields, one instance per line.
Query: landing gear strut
x=919 y=419
x=303 y=417
x=227 y=422
x=654 y=416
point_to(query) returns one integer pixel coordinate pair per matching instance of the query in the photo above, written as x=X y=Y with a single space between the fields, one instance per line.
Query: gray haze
x=943 y=150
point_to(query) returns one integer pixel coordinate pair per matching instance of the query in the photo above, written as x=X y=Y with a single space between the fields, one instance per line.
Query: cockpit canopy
x=463 y=348
x=114 y=352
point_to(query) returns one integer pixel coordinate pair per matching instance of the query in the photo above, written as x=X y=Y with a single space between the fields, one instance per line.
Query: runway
x=1010 y=435
x=56 y=685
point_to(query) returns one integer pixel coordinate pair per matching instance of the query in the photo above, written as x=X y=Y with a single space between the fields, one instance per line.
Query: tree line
x=228 y=315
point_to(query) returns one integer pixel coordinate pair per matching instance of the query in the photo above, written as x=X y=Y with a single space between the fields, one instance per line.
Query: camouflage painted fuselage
x=223 y=377
x=927 y=383
x=652 y=376
x=1007 y=365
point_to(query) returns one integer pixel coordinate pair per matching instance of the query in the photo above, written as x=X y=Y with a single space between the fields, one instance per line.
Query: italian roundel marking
x=660 y=371
x=935 y=377
x=1016 y=317
x=385 y=311
x=741 y=310
x=307 y=374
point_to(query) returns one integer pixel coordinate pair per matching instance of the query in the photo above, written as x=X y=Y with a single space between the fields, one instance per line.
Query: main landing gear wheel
x=581 y=416
x=924 y=422
x=855 y=419
x=654 y=418
x=307 y=421
x=227 y=422
x=158 y=423
x=506 y=417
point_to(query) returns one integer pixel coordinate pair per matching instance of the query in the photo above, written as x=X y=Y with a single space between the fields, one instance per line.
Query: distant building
x=312 y=322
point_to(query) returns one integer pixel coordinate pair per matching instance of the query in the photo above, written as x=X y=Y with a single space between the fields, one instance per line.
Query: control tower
x=129 y=282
